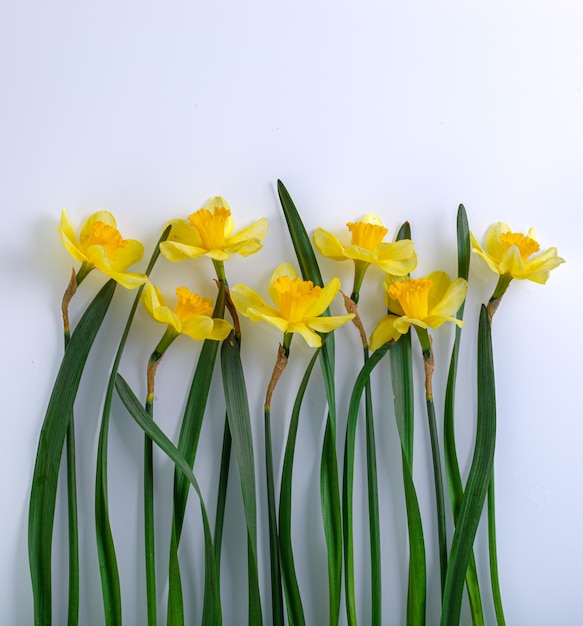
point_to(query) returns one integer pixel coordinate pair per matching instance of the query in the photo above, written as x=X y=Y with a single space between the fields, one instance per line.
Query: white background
x=405 y=109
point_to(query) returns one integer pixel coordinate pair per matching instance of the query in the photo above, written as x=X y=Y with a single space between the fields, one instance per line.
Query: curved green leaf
x=212 y=607
x=329 y=480
x=478 y=478
x=239 y=432
x=105 y=545
x=291 y=586
x=188 y=444
x=452 y=471
x=52 y=438
x=348 y=477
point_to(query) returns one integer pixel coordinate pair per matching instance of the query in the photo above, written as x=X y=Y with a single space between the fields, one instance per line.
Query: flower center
x=295 y=296
x=365 y=235
x=413 y=296
x=211 y=226
x=190 y=304
x=103 y=234
x=526 y=246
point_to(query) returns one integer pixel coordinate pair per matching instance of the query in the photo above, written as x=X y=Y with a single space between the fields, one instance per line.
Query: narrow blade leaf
x=212 y=607
x=478 y=478
x=52 y=437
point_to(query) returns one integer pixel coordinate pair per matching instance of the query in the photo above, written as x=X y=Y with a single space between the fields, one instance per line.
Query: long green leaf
x=329 y=479
x=348 y=478
x=452 y=470
x=299 y=236
x=50 y=447
x=212 y=607
x=274 y=558
x=188 y=444
x=239 y=426
x=402 y=382
x=105 y=545
x=493 y=553
x=478 y=478
x=291 y=586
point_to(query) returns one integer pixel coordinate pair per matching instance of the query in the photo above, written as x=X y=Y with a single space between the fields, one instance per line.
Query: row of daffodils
x=299 y=303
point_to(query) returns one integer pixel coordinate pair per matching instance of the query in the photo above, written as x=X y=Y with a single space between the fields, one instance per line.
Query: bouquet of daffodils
x=297 y=301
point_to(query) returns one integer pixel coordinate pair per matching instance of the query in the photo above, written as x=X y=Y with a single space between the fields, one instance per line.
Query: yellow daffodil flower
x=422 y=302
x=100 y=245
x=516 y=255
x=298 y=308
x=368 y=248
x=209 y=232
x=191 y=316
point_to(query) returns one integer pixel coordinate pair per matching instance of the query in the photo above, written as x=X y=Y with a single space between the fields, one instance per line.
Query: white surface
x=405 y=109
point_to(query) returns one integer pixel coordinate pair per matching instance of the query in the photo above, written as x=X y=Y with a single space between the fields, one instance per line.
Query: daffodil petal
x=87 y=230
x=284 y=269
x=384 y=331
x=72 y=247
x=155 y=304
x=512 y=263
x=392 y=305
x=441 y=282
x=275 y=320
x=218 y=202
x=323 y=301
x=372 y=218
x=175 y=251
x=221 y=330
x=493 y=244
x=398 y=258
x=129 y=280
x=356 y=253
x=126 y=256
x=250 y=239
x=152 y=298
x=326 y=324
x=310 y=337
x=493 y=265
x=217 y=255
x=246 y=299
x=543 y=263
x=97 y=256
x=435 y=321
x=403 y=323
x=328 y=245
x=183 y=232
x=69 y=238
x=198 y=327
x=451 y=301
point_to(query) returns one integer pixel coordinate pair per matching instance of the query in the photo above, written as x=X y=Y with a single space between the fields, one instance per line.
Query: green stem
x=73 y=608
x=478 y=478
x=403 y=397
x=149 y=543
x=73 y=616
x=188 y=445
x=222 y=493
x=275 y=569
x=428 y=360
x=454 y=479
x=348 y=479
x=105 y=545
x=439 y=496
x=373 y=507
x=493 y=555
x=291 y=587
x=501 y=286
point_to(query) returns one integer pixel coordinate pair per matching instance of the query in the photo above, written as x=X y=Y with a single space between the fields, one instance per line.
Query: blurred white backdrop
x=404 y=109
